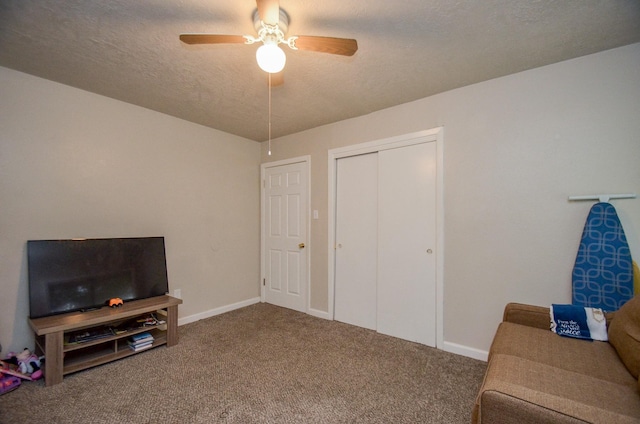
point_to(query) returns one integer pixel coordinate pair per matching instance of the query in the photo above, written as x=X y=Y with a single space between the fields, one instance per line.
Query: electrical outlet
x=177 y=293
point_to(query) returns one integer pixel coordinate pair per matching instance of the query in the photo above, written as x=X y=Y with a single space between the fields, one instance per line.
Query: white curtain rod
x=603 y=197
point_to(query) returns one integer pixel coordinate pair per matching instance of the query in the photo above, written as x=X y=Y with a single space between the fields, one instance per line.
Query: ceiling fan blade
x=269 y=11
x=341 y=46
x=212 y=39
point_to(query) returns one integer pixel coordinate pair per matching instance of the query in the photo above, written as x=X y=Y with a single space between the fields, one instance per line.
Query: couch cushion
x=624 y=334
x=565 y=392
x=501 y=408
x=592 y=358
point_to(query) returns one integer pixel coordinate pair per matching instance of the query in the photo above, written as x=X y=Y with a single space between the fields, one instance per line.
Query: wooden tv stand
x=62 y=359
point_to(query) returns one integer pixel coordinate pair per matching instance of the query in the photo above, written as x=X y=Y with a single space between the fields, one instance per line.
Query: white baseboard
x=319 y=314
x=469 y=352
x=217 y=311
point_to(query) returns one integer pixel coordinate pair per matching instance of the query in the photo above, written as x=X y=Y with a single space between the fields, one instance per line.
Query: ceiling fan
x=272 y=23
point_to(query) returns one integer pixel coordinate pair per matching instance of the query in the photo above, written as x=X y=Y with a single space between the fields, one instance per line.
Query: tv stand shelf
x=62 y=359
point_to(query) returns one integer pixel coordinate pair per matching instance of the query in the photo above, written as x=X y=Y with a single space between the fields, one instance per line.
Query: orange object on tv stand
x=116 y=301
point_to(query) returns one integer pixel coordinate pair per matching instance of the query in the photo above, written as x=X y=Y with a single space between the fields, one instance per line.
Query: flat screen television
x=83 y=274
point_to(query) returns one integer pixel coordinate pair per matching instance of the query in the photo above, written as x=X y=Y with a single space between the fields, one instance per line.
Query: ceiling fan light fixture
x=271 y=58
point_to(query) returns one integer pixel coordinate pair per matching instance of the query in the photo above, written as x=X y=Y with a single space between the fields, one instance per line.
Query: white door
x=356 y=240
x=407 y=239
x=285 y=235
x=385 y=259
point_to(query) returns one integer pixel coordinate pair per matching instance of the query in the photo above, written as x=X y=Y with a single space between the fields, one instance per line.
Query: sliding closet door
x=385 y=261
x=406 y=299
x=356 y=240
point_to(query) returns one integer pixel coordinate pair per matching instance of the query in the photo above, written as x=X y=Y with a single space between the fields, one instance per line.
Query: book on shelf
x=140 y=346
x=140 y=341
x=141 y=337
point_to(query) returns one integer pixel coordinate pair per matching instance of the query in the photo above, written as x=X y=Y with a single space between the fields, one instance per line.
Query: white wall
x=75 y=164
x=514 y=149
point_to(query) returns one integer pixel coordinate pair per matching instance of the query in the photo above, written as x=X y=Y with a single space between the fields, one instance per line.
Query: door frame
x=307 y=250
x=435 y=135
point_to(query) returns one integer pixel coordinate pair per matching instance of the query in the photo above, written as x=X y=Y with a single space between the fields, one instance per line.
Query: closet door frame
x=435 y=135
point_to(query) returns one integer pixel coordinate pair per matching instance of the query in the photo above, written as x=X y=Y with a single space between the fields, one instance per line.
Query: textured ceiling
x=129 y=50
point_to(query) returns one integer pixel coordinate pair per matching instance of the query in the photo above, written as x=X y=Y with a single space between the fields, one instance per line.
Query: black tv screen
x=83 y=274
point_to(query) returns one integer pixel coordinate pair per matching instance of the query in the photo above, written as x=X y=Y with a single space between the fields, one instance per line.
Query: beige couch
x=535 y=376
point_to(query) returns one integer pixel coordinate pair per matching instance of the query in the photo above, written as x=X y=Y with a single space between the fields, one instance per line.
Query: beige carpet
x=262 y=364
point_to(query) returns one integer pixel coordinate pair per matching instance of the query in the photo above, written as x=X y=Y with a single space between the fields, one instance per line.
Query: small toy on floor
x=25 y=365
x=8 y=383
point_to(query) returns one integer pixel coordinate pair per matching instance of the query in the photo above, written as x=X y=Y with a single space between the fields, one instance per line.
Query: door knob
x=301 y=245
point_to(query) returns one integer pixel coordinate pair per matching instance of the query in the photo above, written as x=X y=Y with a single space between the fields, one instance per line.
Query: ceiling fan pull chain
x=269 y=147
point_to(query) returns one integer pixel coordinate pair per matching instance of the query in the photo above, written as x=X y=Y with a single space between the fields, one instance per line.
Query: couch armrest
x=530 y=315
